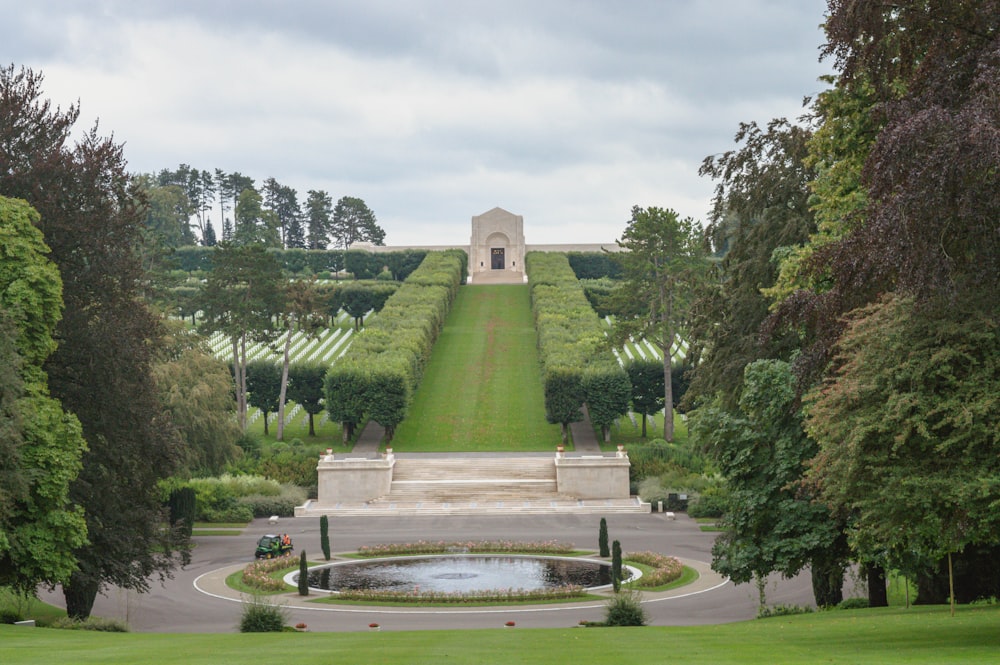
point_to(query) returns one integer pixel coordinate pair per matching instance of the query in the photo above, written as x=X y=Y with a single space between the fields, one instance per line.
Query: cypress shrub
x=324 y=536
x=616 y=566
x=303 y=574
x=602 y=538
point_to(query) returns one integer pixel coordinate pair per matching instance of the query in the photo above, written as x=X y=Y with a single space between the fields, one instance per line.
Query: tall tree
x=41 y=446
x=92 y=218
x=254 y=224
x=304 y=313
x=907 y=428
x=354 y=222
x=664 y=262
x=761 y=204
x=319 y=218
x=770 y=524
x=241 y=298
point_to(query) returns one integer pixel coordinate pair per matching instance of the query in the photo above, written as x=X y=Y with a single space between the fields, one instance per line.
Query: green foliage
x=709 y=503
x=593 y=265
x=771 y=525
x=196 y=390
x=624 y=609
x=907 y=429
x=183 y=503
x=303 y=581
x=324 y=536
x=283 y=504
x=354 y=222
x=602 y=538
x=260 y=616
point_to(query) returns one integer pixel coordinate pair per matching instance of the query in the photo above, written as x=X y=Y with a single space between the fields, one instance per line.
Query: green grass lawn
x=884 y=636
x=482 y=389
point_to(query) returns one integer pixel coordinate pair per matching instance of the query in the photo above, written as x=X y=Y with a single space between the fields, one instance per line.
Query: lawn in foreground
x=482 y=389
x=885 y=636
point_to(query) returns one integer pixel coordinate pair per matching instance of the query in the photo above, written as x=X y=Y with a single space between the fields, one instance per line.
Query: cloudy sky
x=567 y=112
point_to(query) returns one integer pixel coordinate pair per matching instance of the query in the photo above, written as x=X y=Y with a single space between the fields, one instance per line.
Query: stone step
x=528 y=507
x=474 y=468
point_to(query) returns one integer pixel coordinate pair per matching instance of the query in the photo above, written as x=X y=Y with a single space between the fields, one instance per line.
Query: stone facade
x=497 y=243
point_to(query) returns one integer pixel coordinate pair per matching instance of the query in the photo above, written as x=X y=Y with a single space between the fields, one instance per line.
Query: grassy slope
x=482 y=389
x=917 y=635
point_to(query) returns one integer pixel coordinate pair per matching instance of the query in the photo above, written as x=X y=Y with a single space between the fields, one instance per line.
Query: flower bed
x=485 y=596
x=258 y=573
x=666 y=569
x=482 y=546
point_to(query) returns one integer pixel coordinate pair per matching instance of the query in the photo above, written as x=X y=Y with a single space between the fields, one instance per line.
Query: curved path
x=197 y=600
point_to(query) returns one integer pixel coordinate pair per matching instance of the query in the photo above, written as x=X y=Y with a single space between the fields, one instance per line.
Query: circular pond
x=460 y=574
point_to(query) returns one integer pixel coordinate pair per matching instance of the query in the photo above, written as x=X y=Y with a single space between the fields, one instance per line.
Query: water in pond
x=461 y=574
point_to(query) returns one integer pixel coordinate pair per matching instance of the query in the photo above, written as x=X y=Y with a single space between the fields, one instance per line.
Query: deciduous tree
x=664 y=262
x=91 y=217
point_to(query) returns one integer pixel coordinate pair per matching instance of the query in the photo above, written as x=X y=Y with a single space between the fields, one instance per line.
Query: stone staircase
x=474 y=485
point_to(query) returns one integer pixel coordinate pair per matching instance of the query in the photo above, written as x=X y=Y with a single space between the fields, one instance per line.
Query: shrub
x=230 y=514
x=260 y=616
x=853 y=604
x=284 y=505
x=91 y=623
x=624 y=609
x=766 y=611
x=10 y=616
x=710 y=503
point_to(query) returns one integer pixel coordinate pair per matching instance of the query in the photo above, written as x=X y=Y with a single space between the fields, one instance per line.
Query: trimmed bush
x=602 y=538
x=853 y=604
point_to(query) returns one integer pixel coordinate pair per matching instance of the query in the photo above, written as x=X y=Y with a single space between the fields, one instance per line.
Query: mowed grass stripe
x=482 y=390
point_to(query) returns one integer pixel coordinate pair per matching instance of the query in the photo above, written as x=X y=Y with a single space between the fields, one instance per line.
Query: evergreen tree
x=324 y=536
x=602 y=538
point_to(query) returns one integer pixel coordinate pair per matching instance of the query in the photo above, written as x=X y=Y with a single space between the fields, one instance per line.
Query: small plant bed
x=266 y=575
x=658 y=570
x=468 y=547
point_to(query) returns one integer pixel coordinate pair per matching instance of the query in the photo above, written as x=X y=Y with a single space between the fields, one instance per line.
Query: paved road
x=196 y=601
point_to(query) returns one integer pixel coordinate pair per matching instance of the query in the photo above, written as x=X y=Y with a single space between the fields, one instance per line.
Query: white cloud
x=565 y=112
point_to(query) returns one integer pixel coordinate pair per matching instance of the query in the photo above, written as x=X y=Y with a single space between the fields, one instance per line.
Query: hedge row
x=359 y=262
x=377 y=377
x=577 y=366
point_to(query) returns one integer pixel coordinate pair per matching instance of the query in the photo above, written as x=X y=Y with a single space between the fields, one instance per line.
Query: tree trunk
x=877 y=595
x=284 y=386
x=827 y=583
x=644 y=416
x=312 y=430
x=668 y=384
x=565 y=433
x=80 y=595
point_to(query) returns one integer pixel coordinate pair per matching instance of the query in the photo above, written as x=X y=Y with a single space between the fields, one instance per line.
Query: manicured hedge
x=359 y=262
x=577 y=366
x=380 y=372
